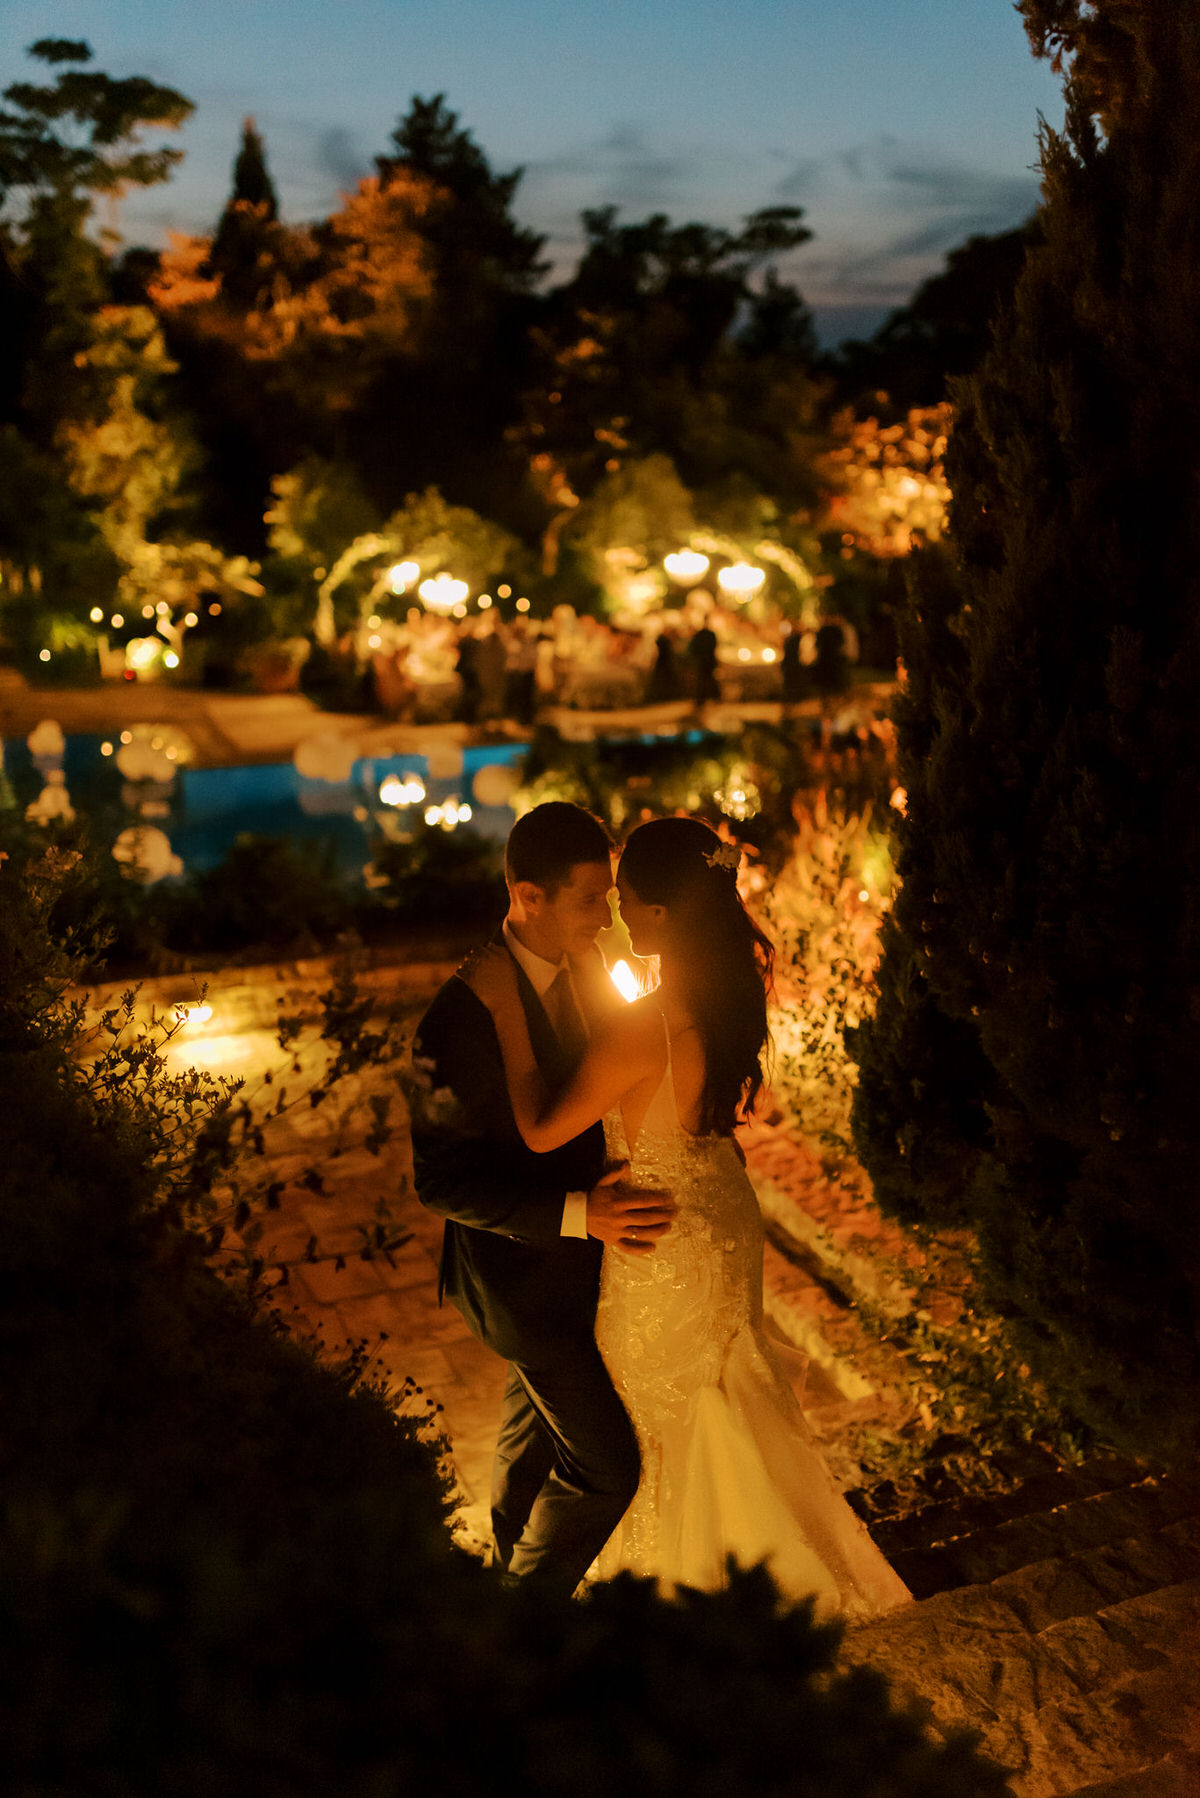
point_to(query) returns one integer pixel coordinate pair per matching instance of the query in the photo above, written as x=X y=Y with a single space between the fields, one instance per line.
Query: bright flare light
x=442 y=593
x=740 y=580
x=194 y=1014
x=686 y=565
x=395 y=791
x=625 y=980
x=402 y=575
x=143 y=652
x=448 y=815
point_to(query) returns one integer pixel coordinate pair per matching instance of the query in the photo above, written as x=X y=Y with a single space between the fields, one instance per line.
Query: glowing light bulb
x=624 y=979
x=442 y=593
x=740 y=580
x=686 y=565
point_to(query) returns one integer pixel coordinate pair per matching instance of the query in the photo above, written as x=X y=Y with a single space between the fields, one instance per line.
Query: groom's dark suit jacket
x=522 y=1286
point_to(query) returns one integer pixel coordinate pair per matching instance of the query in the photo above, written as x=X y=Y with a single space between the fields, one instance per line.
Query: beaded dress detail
x=729 y=1465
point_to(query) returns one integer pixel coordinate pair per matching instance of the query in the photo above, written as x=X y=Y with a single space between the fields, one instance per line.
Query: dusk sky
x=900 y=126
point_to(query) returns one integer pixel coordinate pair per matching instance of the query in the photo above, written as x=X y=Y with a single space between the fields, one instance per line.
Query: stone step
x=965 y=1511
x=1117 y=1731
x=963 y=1636
x=989 y=1549
x=1066 y=1690
x=1171 y=1777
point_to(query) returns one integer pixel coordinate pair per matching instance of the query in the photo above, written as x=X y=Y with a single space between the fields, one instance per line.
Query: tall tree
x=671 y=340
x=63 y=146
x=286 y=333
x=472 y=229
x=460 y=393
x=1050 y=856
x=241 y=248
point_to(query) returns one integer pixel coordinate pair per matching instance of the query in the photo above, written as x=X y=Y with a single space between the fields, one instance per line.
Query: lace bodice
x=728 y=1462
x=706 y=1271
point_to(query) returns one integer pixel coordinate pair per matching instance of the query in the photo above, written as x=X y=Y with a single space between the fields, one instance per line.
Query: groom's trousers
x=566 y=1466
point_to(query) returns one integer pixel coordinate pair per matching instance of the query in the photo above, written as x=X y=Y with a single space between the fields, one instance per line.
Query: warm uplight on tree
x=890 y=483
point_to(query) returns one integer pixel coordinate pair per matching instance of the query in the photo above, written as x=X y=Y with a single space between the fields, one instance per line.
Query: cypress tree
x=242 y=243
x=1042 y=965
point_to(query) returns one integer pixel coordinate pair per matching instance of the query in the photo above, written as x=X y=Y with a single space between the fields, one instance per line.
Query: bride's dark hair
x=724 y=961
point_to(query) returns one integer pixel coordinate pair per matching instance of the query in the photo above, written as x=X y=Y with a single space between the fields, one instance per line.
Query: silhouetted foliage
x=1051 y=851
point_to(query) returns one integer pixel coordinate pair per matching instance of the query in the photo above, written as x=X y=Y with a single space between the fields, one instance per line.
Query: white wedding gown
x=729 y=1466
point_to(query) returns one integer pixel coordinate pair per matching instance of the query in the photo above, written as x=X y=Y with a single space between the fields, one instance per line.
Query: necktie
x=568 y=1022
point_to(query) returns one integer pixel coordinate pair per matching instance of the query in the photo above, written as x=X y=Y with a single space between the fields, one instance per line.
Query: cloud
x=885 y=213
x=622 y=168
x=338 y=155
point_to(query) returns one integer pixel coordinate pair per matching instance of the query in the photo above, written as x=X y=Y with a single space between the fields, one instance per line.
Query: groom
x=525 y=1232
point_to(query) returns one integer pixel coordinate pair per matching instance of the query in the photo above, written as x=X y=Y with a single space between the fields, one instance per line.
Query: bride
x=729 y=1466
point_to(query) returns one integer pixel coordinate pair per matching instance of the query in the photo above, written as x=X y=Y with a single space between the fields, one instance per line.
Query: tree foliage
x=888 y=482
x=1051 y=851
x=677 y=340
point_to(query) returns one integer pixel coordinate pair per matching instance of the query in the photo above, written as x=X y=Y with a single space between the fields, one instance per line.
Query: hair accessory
x=725 y=855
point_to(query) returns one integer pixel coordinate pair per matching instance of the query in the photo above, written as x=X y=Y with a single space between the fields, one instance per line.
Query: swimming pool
x=204 y=810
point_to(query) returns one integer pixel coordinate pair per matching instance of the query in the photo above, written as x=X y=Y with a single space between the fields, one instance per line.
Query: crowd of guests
x=432 y=667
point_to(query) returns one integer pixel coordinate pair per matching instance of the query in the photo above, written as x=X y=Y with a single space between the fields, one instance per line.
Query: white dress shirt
x=542 y=975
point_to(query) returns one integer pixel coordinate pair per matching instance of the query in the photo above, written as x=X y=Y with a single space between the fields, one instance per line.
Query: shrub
x=823 y=910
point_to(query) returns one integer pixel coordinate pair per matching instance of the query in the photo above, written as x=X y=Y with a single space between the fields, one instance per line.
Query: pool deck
x=236 y=729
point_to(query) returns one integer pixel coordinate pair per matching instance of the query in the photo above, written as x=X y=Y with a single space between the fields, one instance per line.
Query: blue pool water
x=206 y=809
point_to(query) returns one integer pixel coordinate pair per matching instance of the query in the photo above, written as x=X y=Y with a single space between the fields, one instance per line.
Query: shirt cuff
x=574 y=1217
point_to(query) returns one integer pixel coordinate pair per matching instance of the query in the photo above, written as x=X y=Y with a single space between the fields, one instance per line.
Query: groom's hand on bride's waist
x=625 y=1216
